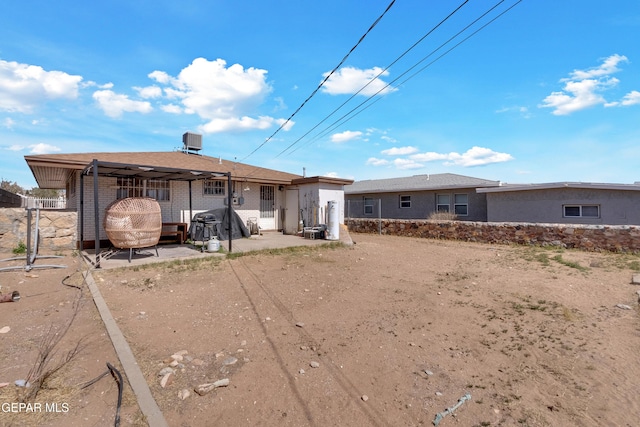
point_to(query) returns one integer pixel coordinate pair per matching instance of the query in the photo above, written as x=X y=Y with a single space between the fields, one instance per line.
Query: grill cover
x=218 y=218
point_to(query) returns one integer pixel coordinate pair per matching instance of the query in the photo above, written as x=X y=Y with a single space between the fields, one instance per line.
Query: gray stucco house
x=418 y=196
x=564 y=203
x=476 y=199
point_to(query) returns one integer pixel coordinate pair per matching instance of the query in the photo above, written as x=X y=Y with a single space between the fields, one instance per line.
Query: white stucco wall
x=313 y=199
x=174 y=210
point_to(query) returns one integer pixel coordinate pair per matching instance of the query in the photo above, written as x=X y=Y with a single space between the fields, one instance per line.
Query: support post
x=230 y=209
x=81 y=211
x=96 y=212
x=190 y=206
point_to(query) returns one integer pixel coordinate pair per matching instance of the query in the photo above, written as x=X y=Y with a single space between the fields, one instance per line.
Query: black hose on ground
x=118 y=377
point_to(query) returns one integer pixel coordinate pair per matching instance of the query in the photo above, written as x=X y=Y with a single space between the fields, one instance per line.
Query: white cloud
x=23 y=87
x=430 y=156
x=237 y=123
x=332 y=175
x=114 y=104
x=43 y=148
x=581 y=95
x=160 y=77
x=399 y=151
x=524 y=111
x=475 y=156
x=225 y=96
x=16 y=147
x=609 y=66
x=171 y=108
x=377 y=162
x=388 y=139
x=407 y=164
x=280 y=104
x=8 y=123
x=94 y=84
x=349 y=80
x=345 y=136
x=582 y=89
x=632 y=98
x=149 y=92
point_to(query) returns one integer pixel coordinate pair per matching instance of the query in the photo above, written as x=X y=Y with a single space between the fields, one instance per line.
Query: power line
x=321 y=83
x=377 y=76
x=351 y=114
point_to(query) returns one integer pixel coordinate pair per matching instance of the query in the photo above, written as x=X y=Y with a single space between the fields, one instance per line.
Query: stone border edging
x=146 y=402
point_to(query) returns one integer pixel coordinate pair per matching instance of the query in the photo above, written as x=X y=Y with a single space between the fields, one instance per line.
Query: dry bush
x=49 y=361
x=442 y=216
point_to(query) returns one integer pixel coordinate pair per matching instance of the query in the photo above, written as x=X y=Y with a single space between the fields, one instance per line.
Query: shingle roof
x=418 y=183
x=51 y=170
x=554 y=185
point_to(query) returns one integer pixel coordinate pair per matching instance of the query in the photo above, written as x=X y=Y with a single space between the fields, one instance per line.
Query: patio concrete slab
x=266 y=240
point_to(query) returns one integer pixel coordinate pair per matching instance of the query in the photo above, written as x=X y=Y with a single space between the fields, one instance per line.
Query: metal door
x=267 y=207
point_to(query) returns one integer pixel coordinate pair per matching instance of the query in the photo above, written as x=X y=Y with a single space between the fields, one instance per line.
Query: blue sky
x=549 y=91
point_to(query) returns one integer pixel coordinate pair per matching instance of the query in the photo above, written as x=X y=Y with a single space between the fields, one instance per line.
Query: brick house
x=184 y=183
x=564 y=203
x=418 y=196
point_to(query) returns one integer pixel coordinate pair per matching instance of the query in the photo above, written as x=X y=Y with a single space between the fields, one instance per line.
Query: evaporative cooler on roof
x=192 y=141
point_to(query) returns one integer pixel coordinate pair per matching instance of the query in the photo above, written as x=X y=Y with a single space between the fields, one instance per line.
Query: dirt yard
x=388 y=332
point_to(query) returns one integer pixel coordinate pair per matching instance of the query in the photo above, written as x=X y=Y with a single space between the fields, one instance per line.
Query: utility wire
x=351 y=114
x=376 y=77
x=321 y=83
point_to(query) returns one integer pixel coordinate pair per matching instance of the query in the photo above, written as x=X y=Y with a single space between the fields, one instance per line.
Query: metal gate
x=267 y=207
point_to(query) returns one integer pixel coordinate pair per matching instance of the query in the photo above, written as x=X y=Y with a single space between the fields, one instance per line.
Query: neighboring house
x=419 y=196
x=184 y=183
x=564 y=202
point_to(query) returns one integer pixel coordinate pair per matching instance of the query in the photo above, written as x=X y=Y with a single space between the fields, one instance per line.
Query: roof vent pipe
x=304 y=172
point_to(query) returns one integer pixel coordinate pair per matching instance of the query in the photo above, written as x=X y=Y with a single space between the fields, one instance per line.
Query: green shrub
x=20 y=249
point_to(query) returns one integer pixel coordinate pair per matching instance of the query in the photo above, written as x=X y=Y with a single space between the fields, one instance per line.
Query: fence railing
x=44 y=203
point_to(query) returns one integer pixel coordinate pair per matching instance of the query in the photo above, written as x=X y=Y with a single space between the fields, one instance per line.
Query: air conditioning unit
x=192 y=141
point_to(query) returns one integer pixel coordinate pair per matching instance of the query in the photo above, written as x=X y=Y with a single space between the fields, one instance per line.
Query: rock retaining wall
x=58 y=229
x=614 y=238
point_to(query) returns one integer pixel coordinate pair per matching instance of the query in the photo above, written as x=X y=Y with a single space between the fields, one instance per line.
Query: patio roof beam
x=110 y=169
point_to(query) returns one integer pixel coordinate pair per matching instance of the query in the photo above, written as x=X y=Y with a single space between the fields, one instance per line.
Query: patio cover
x=124 y=170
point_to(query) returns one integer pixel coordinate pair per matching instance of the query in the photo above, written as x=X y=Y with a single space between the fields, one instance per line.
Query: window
x=368 y=206
x=442 y=203
x=213 y=187
x=461 y=204
x=581 y=211
x=405 y=202
x=134 y=187
x=267 y=199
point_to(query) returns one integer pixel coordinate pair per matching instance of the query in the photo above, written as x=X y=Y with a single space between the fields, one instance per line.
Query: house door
x=292 y=211
x=267 y=207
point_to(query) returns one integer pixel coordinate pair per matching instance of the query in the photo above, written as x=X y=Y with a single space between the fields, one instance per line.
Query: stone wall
x=58 y=229
x=614 y=238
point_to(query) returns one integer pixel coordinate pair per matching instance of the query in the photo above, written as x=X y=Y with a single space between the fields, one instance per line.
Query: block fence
x=613 y=238
x=58 y=229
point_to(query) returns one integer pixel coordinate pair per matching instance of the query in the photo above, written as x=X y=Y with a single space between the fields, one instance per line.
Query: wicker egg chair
x=133 y=222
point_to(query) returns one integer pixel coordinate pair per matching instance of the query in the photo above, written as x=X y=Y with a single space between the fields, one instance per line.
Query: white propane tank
x=214 y=245
x=333 y=223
